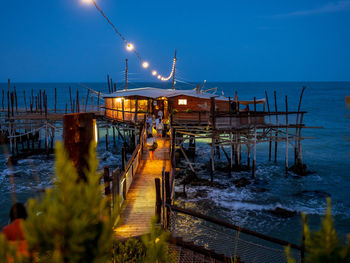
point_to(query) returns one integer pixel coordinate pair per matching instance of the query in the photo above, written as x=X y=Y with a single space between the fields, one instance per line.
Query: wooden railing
x=118 y=182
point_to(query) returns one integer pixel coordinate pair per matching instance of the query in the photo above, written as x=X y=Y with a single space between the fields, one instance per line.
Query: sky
x=221 y=40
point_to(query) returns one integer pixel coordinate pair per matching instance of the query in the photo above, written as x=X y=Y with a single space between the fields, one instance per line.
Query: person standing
x=159 y=127
x=13 y=232
x=151 y=145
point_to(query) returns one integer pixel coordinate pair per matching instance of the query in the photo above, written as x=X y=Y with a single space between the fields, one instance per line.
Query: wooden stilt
x=268 y=110
x=286 y=163
x=276 y=133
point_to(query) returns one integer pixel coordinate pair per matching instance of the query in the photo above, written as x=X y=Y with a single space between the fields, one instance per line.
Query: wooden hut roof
x=155 y=93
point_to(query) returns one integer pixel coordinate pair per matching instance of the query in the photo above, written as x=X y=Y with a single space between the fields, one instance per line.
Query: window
x=182 y=102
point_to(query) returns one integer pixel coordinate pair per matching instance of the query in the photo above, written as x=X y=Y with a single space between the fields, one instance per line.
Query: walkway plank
x=141 y=198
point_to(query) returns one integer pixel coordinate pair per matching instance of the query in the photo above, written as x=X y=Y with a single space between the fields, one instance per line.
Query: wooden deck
x=141 y=198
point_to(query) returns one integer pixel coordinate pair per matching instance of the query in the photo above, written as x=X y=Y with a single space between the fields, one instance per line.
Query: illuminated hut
x=186 y=106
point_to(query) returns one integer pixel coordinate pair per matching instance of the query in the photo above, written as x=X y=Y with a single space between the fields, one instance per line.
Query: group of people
x=156 y=124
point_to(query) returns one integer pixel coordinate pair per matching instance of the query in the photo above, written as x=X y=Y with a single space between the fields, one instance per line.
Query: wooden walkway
x=141 y=198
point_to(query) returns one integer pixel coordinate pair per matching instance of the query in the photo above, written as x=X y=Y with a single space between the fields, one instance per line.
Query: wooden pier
x=141 y=198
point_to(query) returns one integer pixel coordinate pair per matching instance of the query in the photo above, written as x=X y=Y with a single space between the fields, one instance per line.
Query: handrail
x=231 y=226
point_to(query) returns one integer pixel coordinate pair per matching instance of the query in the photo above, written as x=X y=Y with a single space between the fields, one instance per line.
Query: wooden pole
x=78 y=135
x=109 y=85
x=212 y=113
x=14 y=88
x=107 y=138
x=254 y=158
x=286 y=164
x=77 y=103
x=70 y=98
x=276 y=134
x=167 y=196
x=174 y=71
x=87 y=99
x=126 y=75
x=25 y=101
x=297 y=139
x=268 y=110
x=8 y=97
x=55 y=99
x=158 y=200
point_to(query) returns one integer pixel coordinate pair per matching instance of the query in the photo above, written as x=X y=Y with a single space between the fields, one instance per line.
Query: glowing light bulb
x=159 y=76
x=86 y=2
x=129 y=46
x=154 y=72
x=145 y=64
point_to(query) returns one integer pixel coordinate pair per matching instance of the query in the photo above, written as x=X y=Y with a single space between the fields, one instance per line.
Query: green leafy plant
x=324 y=245
x=130 y=251
x=156 y=244
x=71 y=223
x=189 y=111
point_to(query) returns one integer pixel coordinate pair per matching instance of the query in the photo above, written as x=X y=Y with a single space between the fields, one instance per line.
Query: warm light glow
x=129 y=46
x=145 y=64
x=87 y=2
x=118 y=100
x=154 y=72
x=159 y=76
x=95 y=131
x=182 y=102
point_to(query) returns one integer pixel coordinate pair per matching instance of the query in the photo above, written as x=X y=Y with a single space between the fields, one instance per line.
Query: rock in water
x=283 y=213
x=242 y=182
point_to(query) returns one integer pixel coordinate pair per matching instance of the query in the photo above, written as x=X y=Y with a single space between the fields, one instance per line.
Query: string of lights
x=130 y=47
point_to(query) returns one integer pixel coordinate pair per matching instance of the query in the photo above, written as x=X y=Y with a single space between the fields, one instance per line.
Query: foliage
x=8 y=252
x=175 y=111
x=156 y=244
x=130 y=251
x=71 y=223
x=189 y=111
x=324 y=245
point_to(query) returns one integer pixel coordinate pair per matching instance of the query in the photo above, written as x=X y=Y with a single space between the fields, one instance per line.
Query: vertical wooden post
x=70 y=98
x=136 y=109
x=14 y=88
x=286 y=164
x=109 y=85
x=87 y=99
x=78 y=135
x=55 y=99
x=25 y=101
x=78 y=106
x=123 y=108
x=126 y=74
x=163 y=198
x=158 y=199
x=212 y=113
x=248 y=155
x=254 y=158
x=107 y=184
x=231 y=150
x=3 y=95
x=276 y=134
x=297 y=138
x=114 y=142
x=8 y=97
x=107 y=138
x=268 y=110
x=167 y=197
x=174 y=71
x=123 y=158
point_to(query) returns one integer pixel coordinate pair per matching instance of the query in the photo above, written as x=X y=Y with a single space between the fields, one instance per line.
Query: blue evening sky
x=222 y=40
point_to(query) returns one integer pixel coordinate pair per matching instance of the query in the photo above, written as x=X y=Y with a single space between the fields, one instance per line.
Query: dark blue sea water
x=328 y=156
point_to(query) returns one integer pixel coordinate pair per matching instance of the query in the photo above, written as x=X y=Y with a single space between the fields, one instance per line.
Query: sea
x=326 y=152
